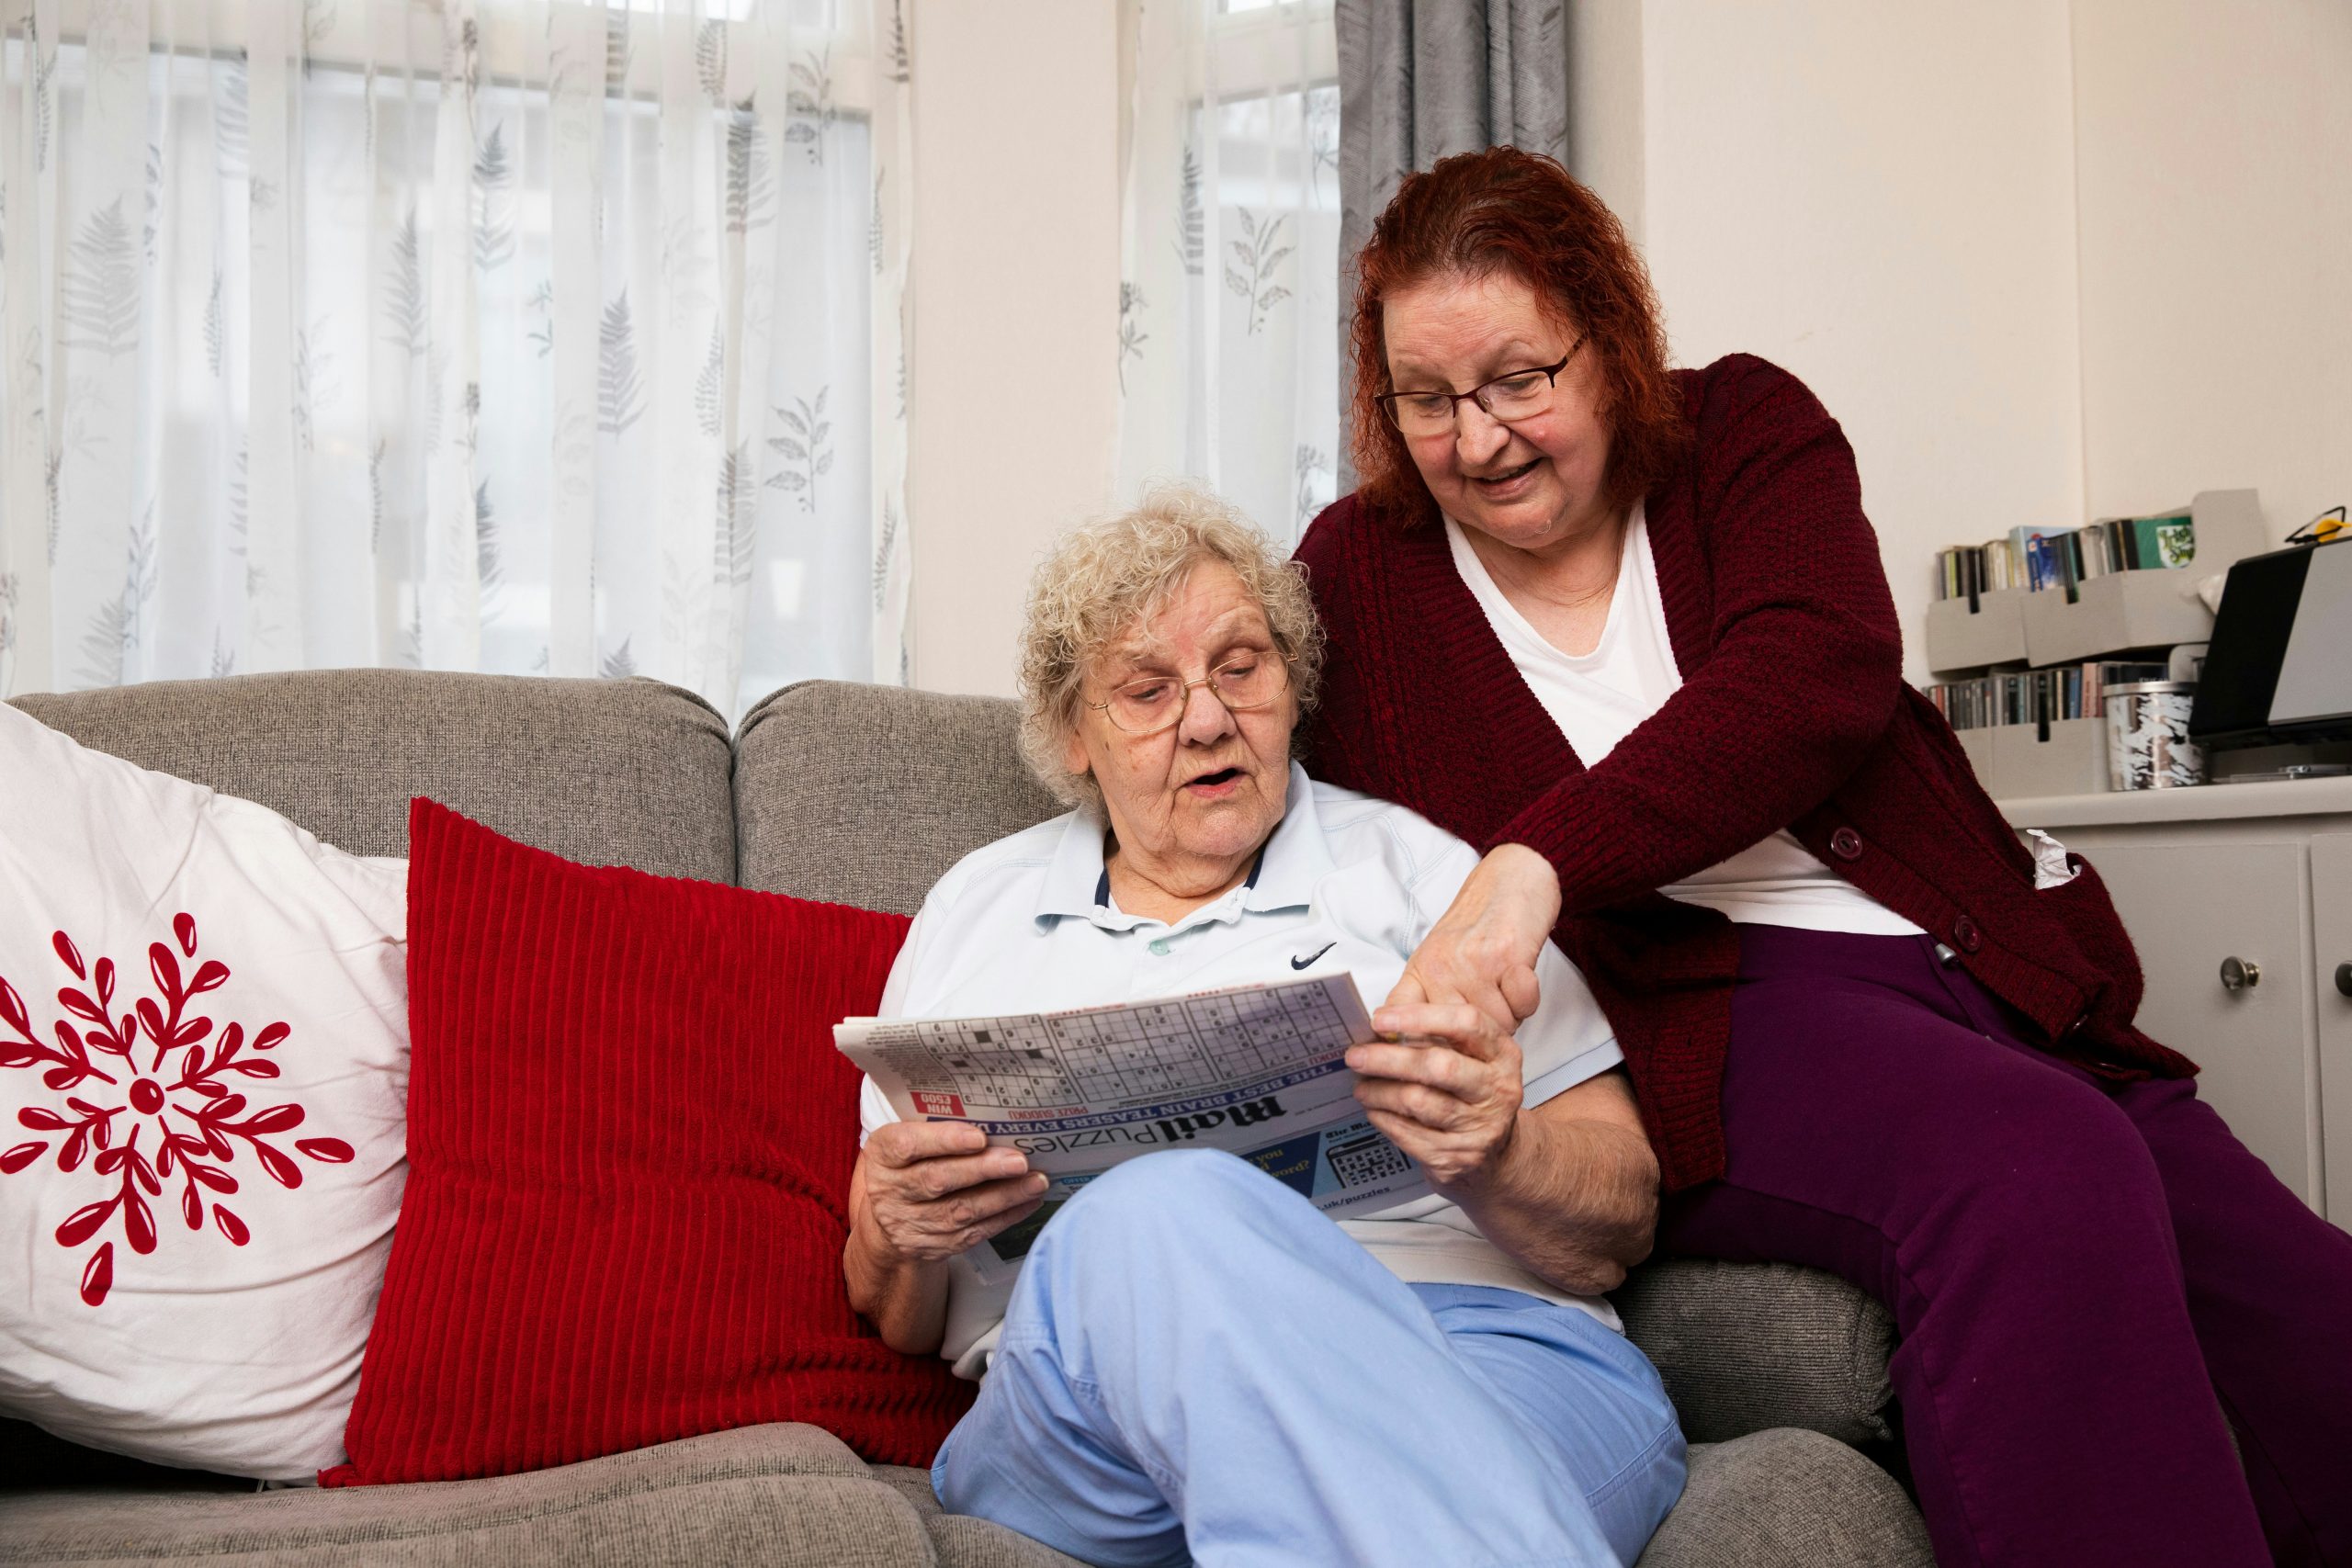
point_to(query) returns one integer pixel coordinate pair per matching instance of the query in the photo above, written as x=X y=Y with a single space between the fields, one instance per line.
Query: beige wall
x=2215 y=148
x=2044 y=262
x=1014 y=382
x=1879 y=199
x=1605 y=121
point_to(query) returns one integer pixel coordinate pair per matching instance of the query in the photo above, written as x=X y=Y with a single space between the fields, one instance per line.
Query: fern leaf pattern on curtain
x=1229 y=343
x=533 y=336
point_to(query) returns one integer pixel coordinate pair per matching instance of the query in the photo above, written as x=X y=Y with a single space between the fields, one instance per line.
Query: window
x=545 y=346
x=1229 y=332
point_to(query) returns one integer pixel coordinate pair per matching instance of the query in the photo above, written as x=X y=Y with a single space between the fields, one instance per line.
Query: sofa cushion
x=963 y=1541
x=630 y=1141
x=867 y=794
x=1744 y=1347
x=627 y=773
x=779 y=1497
x=1774 y=1499
x=1788 y=1499
x=203 y=1064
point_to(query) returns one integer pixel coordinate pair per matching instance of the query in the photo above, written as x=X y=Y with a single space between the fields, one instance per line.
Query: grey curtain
x=1421 y=79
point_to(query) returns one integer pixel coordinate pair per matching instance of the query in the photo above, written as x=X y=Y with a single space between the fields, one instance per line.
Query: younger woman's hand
x=933 y=1189
x=1483 y=949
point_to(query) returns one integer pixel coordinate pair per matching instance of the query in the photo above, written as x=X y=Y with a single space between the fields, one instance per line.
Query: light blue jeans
x=1197 y=1366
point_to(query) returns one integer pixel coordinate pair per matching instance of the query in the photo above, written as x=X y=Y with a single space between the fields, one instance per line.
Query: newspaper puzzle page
x=1255 y=1070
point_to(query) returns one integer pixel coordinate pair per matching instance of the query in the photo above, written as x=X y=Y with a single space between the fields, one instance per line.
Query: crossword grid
x=1154 y=1051
x=997 y=1061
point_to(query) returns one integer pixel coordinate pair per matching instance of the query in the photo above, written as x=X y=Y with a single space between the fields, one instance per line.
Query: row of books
x=2060 y=558
x=2028 y=697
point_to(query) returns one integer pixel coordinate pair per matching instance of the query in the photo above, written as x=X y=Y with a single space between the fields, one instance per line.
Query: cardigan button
x=1846 y=844
x=1965 y=934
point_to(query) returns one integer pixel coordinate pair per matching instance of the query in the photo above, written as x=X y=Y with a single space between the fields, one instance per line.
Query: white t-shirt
x=1347 y=884
x=1598 y=698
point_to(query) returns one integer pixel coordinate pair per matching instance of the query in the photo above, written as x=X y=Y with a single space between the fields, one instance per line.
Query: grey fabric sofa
x=861 y=795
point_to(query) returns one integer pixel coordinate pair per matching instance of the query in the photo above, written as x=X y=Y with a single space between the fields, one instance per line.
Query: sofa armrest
x=1747 y=1347
x=1786 y=1499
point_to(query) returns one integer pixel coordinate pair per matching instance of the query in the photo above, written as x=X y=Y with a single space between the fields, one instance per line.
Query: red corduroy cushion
x=630 y=1147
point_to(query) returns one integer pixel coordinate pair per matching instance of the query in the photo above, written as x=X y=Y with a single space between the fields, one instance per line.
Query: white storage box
x=2012 y=760
x=1994 y=633
x=2115 y=614
x=1978 y=744
x=2072 y=762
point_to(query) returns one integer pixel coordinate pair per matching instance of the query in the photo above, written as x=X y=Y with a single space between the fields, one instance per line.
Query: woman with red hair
x=1632 y=620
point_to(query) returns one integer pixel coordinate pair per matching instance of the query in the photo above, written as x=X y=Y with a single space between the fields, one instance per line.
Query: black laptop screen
x=2250 y=634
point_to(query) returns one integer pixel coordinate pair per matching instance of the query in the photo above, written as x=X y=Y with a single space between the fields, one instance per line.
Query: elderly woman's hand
x=1452 y=1101
x=931 y=1189
x=922 y=1192
x=1483 y=949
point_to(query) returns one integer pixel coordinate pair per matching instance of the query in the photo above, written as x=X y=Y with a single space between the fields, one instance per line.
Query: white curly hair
x=1103 y=579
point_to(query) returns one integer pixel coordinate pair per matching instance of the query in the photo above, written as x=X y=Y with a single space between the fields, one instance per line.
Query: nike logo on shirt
x=1302 y=963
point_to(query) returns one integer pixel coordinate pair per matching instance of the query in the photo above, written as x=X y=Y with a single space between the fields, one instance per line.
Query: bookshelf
x=2138 y=613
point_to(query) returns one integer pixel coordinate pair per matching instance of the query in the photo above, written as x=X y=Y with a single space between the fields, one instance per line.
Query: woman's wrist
x=1498 y=1183
x=1534 y=880
x=1550 y=1204
x=884 y=1282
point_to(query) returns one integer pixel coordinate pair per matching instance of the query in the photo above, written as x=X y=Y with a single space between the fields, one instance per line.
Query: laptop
x=2279 y=669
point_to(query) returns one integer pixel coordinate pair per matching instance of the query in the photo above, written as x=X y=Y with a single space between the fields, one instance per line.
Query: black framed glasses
x=1518 y=394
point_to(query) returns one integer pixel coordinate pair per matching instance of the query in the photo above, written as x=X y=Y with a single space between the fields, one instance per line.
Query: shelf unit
x=2111 y=617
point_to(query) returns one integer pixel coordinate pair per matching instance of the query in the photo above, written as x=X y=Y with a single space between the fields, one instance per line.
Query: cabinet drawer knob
x=2240 y=974
x=2344 y=979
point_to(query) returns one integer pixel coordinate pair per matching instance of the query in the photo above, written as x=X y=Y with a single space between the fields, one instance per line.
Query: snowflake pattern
x=193 y=1123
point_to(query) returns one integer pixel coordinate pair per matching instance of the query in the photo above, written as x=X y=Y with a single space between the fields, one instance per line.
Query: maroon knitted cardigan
x=1793 y=714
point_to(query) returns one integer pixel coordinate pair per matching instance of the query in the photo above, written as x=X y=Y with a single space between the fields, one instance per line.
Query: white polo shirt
x=1346 y=884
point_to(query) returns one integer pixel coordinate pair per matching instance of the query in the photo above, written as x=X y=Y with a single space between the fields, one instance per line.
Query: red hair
x=1509 y=211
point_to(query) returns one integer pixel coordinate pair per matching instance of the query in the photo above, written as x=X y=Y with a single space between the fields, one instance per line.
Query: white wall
x=1014 y=381
x=1880 y=198
x=2214 y=145
x=2044 y=262
x=1605 y=123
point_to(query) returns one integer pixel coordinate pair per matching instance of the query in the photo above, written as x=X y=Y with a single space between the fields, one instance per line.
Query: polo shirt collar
x=1296 y=858
x=1077 y=883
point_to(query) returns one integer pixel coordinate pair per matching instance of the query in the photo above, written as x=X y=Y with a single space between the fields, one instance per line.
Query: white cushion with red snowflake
x=203 y=1089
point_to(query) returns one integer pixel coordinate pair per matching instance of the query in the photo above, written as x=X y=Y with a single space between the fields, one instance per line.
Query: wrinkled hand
x=1453 y=1102
x=936 y=1188
x=1483 y=949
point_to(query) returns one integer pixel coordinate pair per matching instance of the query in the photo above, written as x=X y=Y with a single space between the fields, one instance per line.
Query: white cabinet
x=2191 y=907
x=2239 y=899
x=2332 y=946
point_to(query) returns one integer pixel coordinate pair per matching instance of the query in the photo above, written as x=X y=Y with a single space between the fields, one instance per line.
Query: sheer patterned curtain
x=517 y=335
x=1228 y=343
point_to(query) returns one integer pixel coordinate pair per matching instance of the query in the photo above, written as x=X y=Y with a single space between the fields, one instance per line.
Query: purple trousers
x=2090 y=1279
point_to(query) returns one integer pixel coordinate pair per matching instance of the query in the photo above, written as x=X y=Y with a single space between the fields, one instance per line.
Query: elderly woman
x=1632 y=623
x=1195 y=1363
